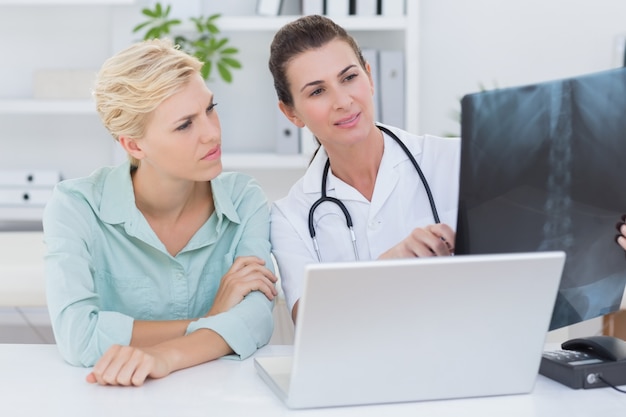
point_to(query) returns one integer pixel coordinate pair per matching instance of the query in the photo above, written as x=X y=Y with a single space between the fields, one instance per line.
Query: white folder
x=268 y=7
x=312 y=7
x=371 y=56
x=336 y=8
x=29 y=177
x=392 y=8
x=308 y=143
x=366 y=7
x=291 y=8
x=391 y=88
x=287 y=135
x=25 y=196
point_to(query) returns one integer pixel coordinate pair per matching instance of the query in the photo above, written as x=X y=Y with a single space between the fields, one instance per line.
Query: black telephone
x=587 y=362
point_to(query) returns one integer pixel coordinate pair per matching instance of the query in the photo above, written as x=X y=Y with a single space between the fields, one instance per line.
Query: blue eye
x=189 y=121
x=184 y=125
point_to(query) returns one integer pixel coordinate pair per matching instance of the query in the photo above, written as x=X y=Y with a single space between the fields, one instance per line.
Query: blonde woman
x=163 y=262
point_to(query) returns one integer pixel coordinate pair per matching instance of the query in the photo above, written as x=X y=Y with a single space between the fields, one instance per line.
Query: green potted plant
x=205 y=43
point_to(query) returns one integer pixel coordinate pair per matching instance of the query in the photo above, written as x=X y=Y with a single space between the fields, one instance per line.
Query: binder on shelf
x=391 y=90
x=29 y=178
x=392 y=8
x=371 y=56
x=291 y=8
x=22 y=218
x=312 y=7
x=308 y=143
x=268 y=7
x=365 y=7
x=25 y=196
x=337 y=8
x=287 y=135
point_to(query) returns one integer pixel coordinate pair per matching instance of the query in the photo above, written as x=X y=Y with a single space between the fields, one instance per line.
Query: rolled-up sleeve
x=246 y=327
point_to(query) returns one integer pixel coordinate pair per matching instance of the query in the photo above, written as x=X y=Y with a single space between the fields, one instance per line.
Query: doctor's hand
x=247 y=274
x=128 y=365
x=433 y=240
x=621 y=228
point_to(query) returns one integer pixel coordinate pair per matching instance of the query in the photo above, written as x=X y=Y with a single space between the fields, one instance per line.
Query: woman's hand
x=433 y=240
x=621 y=237
x=247 y=274
x=127 y=365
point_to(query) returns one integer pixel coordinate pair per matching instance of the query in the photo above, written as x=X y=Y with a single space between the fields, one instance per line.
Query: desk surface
x=34 y=381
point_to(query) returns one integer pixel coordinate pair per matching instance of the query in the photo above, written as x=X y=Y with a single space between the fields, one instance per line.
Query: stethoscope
x=325 y=198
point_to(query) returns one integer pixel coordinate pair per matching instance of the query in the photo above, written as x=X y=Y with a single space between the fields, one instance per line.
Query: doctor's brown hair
x=301 y=35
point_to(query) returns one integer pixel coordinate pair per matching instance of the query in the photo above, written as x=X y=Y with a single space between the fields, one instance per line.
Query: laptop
x=403 y=330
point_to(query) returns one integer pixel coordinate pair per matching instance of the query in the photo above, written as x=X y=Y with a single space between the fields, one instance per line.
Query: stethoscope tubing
x=325 y=198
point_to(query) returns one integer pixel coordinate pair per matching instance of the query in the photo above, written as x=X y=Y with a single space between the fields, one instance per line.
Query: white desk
x=34 y=381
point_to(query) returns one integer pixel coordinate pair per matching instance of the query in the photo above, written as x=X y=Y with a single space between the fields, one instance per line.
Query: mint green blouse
x=105 y=266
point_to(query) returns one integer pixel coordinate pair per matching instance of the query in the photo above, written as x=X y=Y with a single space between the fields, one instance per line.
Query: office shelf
x=64 y=2
x=350 y=23
x=47 y=106
x=263 y=161
x=21 y=214
x=66 y=134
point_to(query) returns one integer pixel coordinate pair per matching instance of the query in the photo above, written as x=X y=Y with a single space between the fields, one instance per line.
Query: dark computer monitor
x=542 y=168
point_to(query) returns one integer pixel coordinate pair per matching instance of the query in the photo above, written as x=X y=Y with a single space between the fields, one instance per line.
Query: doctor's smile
x=349 y=121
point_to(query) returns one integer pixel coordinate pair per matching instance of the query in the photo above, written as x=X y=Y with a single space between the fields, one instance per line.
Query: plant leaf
x=229 y=51
x=206 y=70
x=140 y=26
x=172 y=22
x=220 y=43
x=198 y=24
x=230 y=62
x=153 y=33
x=224 y=72
x=211 y=28
x=203 y=43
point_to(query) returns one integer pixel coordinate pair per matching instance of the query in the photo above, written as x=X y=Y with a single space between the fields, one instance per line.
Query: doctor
x=361 y=175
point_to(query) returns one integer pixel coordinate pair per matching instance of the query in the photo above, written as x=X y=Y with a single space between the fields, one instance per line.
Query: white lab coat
x=399 y=204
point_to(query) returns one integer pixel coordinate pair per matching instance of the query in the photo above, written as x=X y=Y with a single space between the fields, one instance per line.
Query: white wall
x=36 y=38
x=48 y=37
x=39 y=37
x=465 y=43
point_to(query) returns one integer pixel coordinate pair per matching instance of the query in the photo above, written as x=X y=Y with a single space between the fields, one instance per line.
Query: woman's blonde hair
x=132 y=83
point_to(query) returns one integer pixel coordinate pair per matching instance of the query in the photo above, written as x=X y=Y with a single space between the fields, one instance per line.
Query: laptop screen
x=542 y=169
